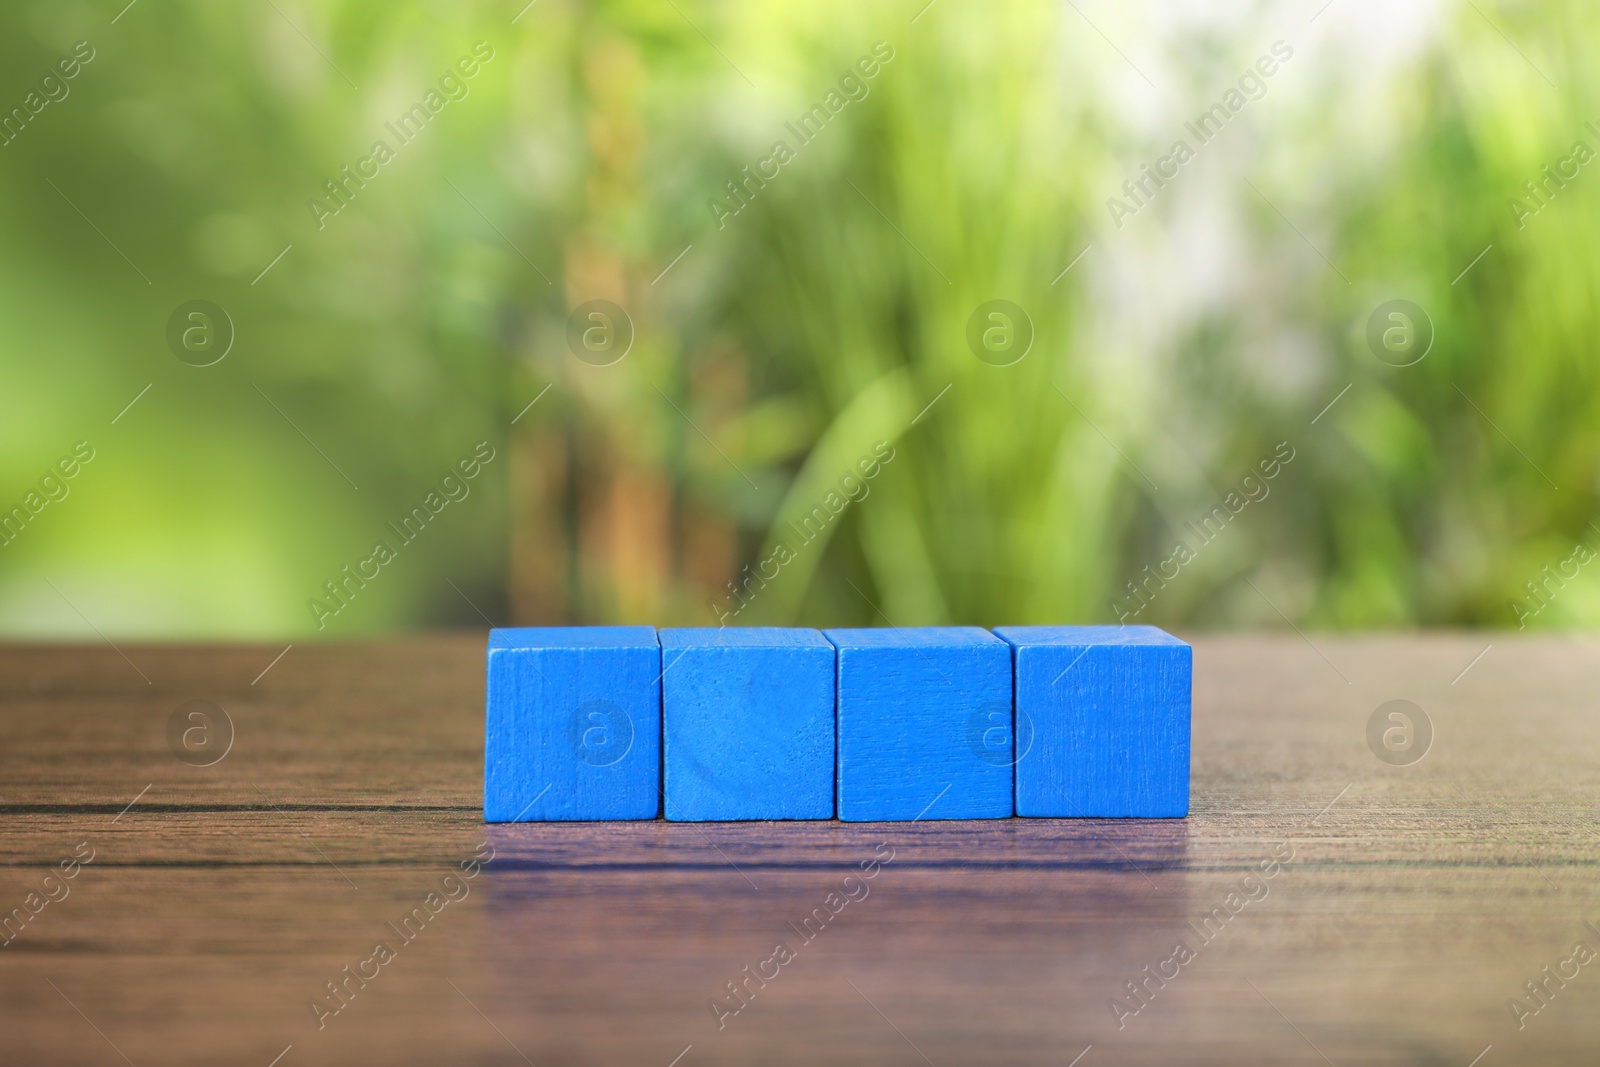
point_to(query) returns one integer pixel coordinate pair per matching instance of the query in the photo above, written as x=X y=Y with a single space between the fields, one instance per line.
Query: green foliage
x=798 y=330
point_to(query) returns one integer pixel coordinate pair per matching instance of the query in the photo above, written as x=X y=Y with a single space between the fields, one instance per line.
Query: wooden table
x=221 y=899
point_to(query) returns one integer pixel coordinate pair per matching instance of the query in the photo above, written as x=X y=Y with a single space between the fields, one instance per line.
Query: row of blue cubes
x=623 y=722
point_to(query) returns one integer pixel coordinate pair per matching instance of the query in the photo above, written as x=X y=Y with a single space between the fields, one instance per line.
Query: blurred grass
x=821 y=319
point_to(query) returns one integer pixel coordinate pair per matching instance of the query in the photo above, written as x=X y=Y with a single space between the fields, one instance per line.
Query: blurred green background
x=1180 y=347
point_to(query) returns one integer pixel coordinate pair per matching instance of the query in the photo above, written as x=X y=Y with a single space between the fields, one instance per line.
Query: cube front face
x=1108 y=709
x=573 y=724
x=924 y=724
x=748 y=723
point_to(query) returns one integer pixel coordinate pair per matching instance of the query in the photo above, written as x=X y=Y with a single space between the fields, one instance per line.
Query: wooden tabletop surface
x=1405 y=910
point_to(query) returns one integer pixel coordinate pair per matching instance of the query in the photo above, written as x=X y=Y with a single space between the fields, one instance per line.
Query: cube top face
x=748 y=724
x=911 y=637
x=1081 y=636
x=744 y=637
x=572 y=637
x=924 y=724
x=572 y=726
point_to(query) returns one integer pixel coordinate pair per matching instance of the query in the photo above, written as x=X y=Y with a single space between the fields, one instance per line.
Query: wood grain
x=1418 y=900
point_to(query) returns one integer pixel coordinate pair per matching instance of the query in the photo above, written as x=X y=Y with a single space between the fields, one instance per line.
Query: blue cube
x=747 y=723
x=1108 y=711
x=924 y=724
x=572 y=724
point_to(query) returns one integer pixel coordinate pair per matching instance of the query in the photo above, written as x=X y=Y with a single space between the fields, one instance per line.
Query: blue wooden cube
x=572 y=724
x=1108 y=708
x=924 y=724
x=747 y=723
